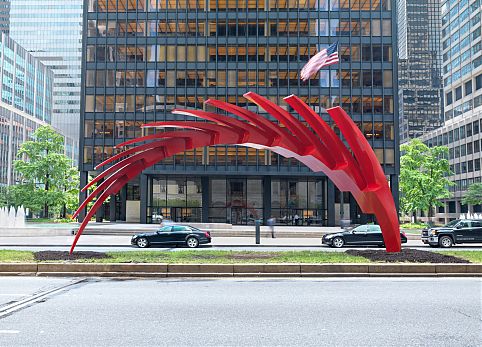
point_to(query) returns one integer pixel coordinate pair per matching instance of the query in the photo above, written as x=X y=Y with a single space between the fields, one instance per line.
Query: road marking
x=16 y=306
x=16 y=294
x=9 y=331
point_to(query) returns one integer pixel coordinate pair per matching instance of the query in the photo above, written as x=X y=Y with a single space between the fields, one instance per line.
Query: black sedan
x=363 y=235
x=174 y=235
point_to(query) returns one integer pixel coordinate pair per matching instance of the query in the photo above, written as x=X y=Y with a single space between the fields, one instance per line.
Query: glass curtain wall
x=235 y=200
x=291 y=197
x=176 y=199
x=147 y=57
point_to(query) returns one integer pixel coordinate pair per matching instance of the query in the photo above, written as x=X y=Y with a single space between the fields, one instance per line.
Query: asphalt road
x=414 y=244
x=245 y=312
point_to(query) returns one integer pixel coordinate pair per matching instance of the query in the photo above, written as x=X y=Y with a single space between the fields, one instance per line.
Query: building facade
x=462 y=73
x=51 y=31
x=144 y=58
x=420 y=67
x=25 y=102
x=5 y=16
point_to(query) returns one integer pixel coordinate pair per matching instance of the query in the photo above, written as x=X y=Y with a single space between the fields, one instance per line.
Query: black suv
x=455 y=232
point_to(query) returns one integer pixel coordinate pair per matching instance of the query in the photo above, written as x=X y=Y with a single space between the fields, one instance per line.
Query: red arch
x=319 y=148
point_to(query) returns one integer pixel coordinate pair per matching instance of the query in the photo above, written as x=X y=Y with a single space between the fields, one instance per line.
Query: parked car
x=173 y=234
x=362 y=235
x=455 y=232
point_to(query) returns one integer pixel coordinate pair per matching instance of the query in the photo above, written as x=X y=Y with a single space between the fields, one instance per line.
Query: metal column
x=143 y=187
x=330 y=192
x=205 y=199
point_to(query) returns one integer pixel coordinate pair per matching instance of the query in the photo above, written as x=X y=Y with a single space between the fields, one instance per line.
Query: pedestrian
x=297 y=219
x=161 y=218
x=271 y=222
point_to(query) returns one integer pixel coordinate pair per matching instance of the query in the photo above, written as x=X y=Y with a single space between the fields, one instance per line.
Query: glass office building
x=51 y=31
x=25 y=101
x=462 y=73
x=4 y=16
x=420 y=67
x=144 y=58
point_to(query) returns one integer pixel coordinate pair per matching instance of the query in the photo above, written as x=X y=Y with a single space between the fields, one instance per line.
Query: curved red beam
x=318 y=148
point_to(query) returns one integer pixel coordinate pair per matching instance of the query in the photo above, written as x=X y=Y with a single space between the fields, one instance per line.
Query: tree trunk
x=46 y=206
x=64 y=211
x=430 y=213
x=415 y=217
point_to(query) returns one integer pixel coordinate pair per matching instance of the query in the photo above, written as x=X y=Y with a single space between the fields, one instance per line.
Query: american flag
x=325 y=57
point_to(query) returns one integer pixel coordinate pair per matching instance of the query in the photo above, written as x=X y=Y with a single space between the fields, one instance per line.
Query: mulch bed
x=65 y=256
x=406 y=255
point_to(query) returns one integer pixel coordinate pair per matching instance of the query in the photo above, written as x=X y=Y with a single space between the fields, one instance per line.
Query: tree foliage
x=423 y=172
x=47 y=178
x=473 y=195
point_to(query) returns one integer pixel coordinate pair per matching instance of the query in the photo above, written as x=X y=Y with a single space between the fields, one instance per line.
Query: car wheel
x=338 y=242
x=445 y=242
x=142 y=243
x=192 y=242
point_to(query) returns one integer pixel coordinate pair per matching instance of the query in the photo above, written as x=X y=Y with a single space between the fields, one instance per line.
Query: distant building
x=51 y=30
x=462 y=72
x=420 y=67
x=5 y=16
x=25 y=102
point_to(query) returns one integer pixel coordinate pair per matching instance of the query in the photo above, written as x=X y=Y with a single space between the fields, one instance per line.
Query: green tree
x=47 y=178
x=5 y=196
x=423 y=181
x=473 y=195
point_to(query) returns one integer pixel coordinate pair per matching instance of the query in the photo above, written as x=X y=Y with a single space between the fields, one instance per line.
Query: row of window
x=165 y=103
x=459 y=60
x=453 y=15
x=466 y=167
x=120 y=129
x=234 y=78
x=226 y=156
x=456 y=134
x=465 y=149
x=315 y=27
x=463 y=108
x=453 y=40
x=236 y=200
x=221 y=5
x=254 y=53
x=468 y=89
x=462 y=185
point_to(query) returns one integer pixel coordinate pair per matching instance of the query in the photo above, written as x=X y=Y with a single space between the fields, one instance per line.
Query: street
x=247 y=312
x=107 y=243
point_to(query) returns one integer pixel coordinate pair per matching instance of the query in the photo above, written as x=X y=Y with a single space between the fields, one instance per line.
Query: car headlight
x=328 y=236
x=433 y=232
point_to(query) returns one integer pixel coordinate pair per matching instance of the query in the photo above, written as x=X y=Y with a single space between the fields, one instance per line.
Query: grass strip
x=472 y=256
x=418 y=226
x=229 y=257
x=222 y=257
x=204 y=257
x=7 y=256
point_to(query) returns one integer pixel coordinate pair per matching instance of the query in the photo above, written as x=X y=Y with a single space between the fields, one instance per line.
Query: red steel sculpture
x=319 y=148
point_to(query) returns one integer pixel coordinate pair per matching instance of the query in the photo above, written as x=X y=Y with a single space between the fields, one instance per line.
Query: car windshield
x=452 y=223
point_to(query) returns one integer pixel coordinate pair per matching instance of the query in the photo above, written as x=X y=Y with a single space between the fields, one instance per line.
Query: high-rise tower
x=145 y=58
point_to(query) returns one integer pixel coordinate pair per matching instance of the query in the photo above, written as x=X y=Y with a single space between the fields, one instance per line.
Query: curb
x=239 y=270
